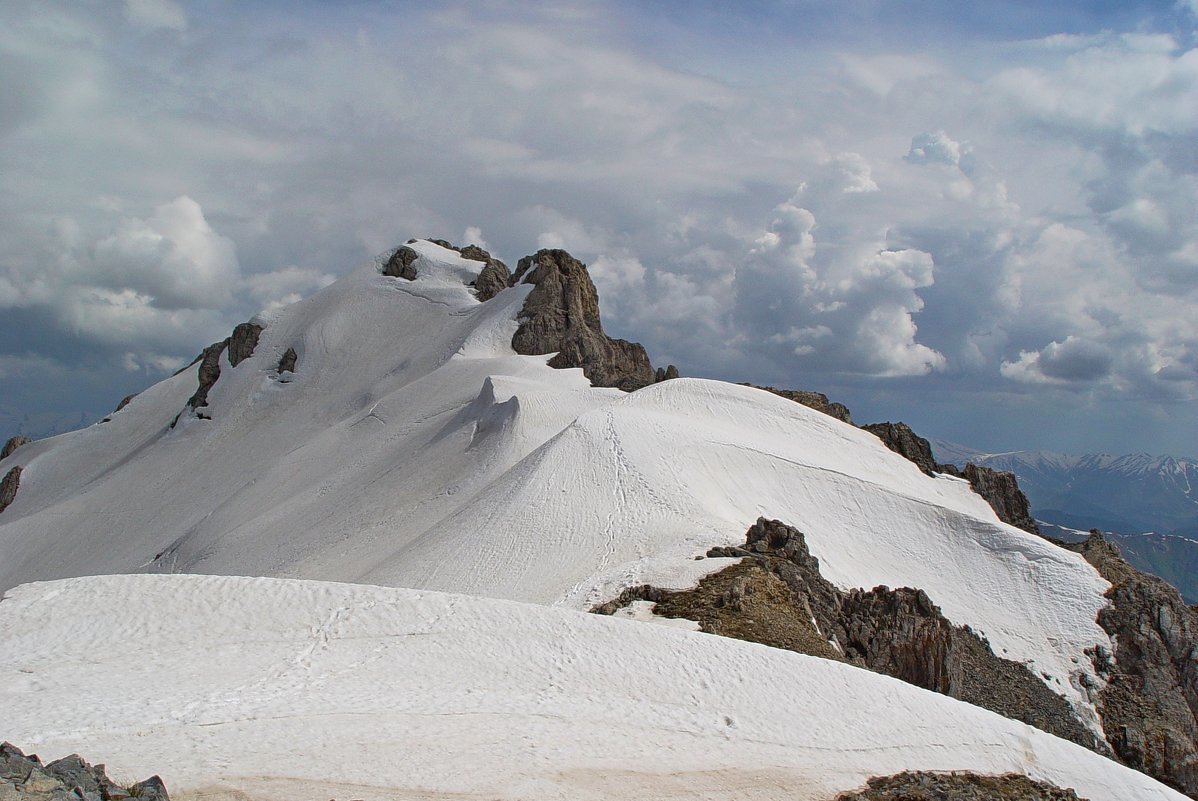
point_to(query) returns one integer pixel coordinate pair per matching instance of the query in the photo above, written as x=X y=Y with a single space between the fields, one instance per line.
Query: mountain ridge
x=409 y=444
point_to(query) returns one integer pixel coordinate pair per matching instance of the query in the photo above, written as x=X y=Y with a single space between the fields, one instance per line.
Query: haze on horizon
x=980 y=219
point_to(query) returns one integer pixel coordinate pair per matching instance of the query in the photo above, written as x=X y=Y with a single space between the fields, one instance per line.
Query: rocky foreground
x=25 y=778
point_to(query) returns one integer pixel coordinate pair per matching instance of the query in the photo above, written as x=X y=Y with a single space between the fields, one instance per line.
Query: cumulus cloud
x=174 y=258
x=1073 y=359
x=936 y=148
x=842 y=305
x=1014 y=224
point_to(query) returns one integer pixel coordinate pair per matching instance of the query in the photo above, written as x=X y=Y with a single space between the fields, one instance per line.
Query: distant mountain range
x=1148 y=503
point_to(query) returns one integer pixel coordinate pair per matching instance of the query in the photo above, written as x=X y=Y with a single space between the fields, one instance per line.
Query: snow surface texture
x=310 y=690
x=412 y=447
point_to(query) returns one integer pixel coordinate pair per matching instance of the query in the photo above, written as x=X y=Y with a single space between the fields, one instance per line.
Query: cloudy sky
x=980 y=218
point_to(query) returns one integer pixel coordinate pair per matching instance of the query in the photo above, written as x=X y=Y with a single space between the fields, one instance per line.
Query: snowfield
x=274 y=689
x=413 y=448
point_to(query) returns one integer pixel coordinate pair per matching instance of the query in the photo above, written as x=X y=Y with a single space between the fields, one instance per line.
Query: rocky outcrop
x=209 y=373
x=667 y=373
x=8 y=487
x=1001 y=491
x=812 y=400
x=401 y=264
x=902 y=440
x=25 y=778
x=242 y=342
x=125 y=401
x=776 y=596
x=287 y=361
x=958 y=786
x=12 y=444
x=1149 y=705
x=561 y=315
x=493 y=279
x=239 y=345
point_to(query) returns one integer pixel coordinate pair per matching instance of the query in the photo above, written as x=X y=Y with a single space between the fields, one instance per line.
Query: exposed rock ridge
x=999 y=489
x=1149 y=705
x=8 y=487
x=812 y=400
x=958 y=786
x=12 y=444
x=561 y=315
x=778 y=597
x=493 y=279
x=25 y=778
x=902 y=440
x=240 y=346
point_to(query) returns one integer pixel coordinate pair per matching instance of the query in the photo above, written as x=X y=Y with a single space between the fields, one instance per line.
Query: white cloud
x=156 y=14
x=843 y=302
x=936 y=147
x=1073 y=359
x=174 y=258
x=960 y=207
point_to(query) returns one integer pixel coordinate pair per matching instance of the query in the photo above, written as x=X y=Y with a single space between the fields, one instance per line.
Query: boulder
x=287 y=361
x=493 y=279
x=401 y=264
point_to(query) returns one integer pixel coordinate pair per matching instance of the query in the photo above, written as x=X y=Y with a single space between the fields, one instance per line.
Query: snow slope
x=268 y=689
x=413 y=447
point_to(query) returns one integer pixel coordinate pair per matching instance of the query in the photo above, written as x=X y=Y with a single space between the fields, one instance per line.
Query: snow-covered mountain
x=386 y=432
x=1132 y=493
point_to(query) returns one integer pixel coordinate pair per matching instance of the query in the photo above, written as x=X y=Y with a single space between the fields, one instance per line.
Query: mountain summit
x=432 y=426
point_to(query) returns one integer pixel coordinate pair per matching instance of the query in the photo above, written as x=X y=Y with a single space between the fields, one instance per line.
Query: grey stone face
x=561 y=315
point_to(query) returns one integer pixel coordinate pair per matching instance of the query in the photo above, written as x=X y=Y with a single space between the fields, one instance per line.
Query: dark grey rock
x=8 y=487
x=24 y=778
x=493 y=279
x=902 y=440
x=561 y=315
x=209 y=373
x=402 y=264
x=242 y=342
x=1001 y=490
x=12 y=444
x=1149 y=705
x=812 y=400
x=287 y=361
x=125 y=401
x=666 y=373
x=240 y=346
x=152 y=789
